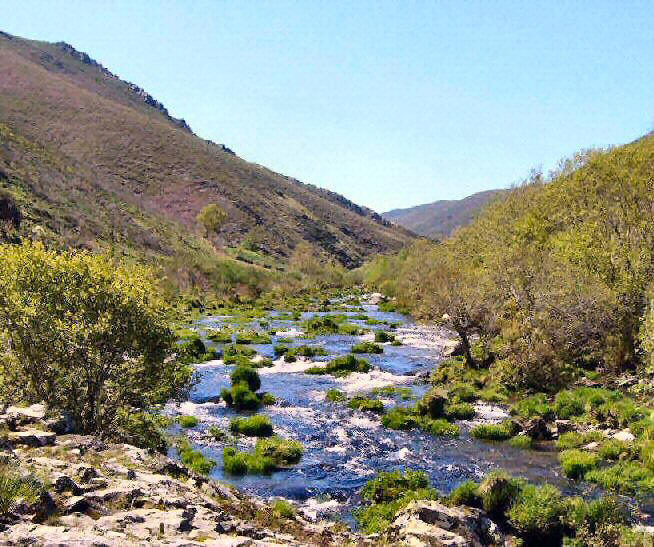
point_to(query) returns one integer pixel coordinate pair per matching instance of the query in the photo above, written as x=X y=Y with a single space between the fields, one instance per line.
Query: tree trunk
x=470 y=361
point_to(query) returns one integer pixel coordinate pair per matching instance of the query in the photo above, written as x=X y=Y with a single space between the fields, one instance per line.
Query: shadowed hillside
x=93 y=161
x=441 y=218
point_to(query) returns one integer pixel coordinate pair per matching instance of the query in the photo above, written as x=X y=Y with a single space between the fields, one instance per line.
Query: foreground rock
x=103 y=494
x=432 y=523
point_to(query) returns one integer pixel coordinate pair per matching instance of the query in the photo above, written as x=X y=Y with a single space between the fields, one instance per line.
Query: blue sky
x=390 y=103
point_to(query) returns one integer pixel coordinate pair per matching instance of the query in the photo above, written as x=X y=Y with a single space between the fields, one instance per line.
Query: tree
x=88 y=336
x=212 y=217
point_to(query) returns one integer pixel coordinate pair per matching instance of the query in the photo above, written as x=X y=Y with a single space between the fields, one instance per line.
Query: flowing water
x=344 y=448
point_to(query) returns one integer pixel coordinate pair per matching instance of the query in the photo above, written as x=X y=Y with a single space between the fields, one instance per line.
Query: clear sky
x=390 y=103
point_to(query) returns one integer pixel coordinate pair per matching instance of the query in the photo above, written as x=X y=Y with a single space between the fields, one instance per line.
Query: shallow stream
x=344 y=448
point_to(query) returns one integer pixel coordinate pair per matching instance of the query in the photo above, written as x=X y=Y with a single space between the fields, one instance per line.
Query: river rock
x=537 y=429
x=31 y=437
x=376 y=298
x=432 y=523
x=625 y=435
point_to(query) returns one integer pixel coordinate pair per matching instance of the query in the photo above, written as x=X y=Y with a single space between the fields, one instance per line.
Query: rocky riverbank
x=88 y=492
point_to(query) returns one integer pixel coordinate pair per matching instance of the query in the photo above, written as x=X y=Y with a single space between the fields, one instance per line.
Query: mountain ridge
x=440 y=218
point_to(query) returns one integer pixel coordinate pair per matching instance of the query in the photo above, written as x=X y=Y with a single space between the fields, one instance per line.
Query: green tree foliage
x=86 y=335
x=211 y=217
x=554 y=276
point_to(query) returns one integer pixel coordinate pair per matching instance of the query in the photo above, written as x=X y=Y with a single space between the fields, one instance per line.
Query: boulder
x=376 y=298
x=537 y=429
x=31 y=437
x=432 y=523
x=563 y=426
x=625 y=435
x=17 y=416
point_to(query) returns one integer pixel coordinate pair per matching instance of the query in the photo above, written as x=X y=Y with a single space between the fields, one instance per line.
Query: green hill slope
x=93 y=161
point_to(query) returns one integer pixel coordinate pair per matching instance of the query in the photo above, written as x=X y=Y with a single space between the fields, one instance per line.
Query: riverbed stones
x=31 y=437
x=625 y=436
x=432 y=523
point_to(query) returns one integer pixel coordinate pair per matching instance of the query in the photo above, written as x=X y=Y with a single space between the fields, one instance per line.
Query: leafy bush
x=321 y=325
x=536 y=405
x=573 y=439
x=14 y=487
x=141 y=429
x=248 y=376
x=364 y=403
x=252 y=337
x=241 y=398
x=194 y=459
x=433 y=403
x=498 y=491
x=187 y=421
x=307 y=351
x=367 y=347
x=241 y=463
x=86 y=335
x=390 y=492
x=281 y=451
x=537 y=515
x=391 y=485
x=439 y=427
x=381 y=337
x=268 y=399
x=223 y=336
x=217 y=433
x=612 y=449
x=400 y=418
x=460 y=411
x=342 y=366
x=567 y=405
x=623 y=478
x=461 y=392
x=495 y=432
x=335 y=396
x=467 y=493
x=283 y=509
x=576 y=463
x=254 y=426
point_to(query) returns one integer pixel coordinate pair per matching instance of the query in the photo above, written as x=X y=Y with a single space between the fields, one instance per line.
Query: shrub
x=576 y=463
x=498 y=491
x=612 y=449
x=243 y=398
x=461 y=392
x=14 y=487
x=188 y=421
x=624 y=478
x=283 y=509
x=240 y=463
x=536 y=405
x=194 y=459
x=251 y=337
x=141 y=429
x=342 y=366
x=433 y=403
x=495 y=432
x=321 y=325
x=281 y=451
x=212 y=216
x=367 y=347
x=460 y=411
x=254 y=426
x=391 y=485
x=381 y=337
x=248 y=376
x=567 y=405
x=350 y=330
x=217 y=433
x=537 y=515
x=573 y=439
x=335 y=396
x=223 y=336
x=268 y=399
x=467 y=493
x=364 y=403
x=400 y=418
x=440 y=427
x=307 y=351
x=86 y=335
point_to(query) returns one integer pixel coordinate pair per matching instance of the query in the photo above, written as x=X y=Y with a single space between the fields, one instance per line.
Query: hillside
x=441 y=218
x=89 y=160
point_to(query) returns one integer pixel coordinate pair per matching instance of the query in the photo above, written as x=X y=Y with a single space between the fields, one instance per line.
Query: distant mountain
x=93 y=161
x=440 y=218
